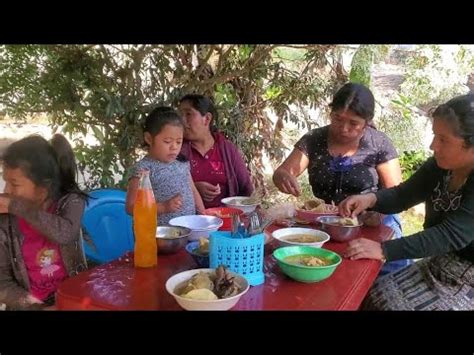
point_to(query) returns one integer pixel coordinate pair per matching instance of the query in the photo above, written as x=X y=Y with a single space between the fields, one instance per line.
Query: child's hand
x=174 y=204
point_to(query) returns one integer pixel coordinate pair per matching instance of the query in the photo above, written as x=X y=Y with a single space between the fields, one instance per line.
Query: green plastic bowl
x=306 y=273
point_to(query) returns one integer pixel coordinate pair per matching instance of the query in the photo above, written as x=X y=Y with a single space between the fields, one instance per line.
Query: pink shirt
x=43 y=261
x=209 y=168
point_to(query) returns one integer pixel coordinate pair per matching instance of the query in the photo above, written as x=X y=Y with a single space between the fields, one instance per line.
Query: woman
x=444 y=279
x=349 y=156
x=217 y=166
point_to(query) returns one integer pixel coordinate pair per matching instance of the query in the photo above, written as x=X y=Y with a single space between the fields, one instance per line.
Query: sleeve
x=409 y=193
x=11 y=293
x=385 y=149
x=243 y=175
x=62 y=228
x=304 y=142
x=452 y=234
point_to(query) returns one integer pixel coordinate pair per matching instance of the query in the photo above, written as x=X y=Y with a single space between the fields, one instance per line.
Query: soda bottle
x=145 y=223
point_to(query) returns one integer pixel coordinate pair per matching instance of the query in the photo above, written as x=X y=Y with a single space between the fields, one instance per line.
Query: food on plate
x=243 y=201
x=173 y=233
x=303 y=238
x=209 y=286
x=346 y=222
x=203 y=248
x=307 y=260
x=318 y=205
x=201 y=294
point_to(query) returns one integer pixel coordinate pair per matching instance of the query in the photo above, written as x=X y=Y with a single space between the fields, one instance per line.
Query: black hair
x=203 y=104
x=357 y=98
x=160 y=117
x=48 y=164
x=459 y=113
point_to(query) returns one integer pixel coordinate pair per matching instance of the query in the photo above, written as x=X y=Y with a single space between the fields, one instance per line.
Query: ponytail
x=66 y=163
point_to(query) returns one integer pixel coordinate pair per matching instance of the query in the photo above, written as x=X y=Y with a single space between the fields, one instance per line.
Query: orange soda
x=144 y=224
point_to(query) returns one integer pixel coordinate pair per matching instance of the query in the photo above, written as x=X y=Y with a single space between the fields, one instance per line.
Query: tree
x=106 y=90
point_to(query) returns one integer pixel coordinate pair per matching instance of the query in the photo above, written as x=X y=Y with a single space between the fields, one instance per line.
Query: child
x=40 y=221
x=170 y=175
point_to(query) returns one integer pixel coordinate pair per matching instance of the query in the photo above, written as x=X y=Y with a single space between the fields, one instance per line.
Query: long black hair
x=459 y=113
x=203 y=104
x=48 y=164
x=357 y=98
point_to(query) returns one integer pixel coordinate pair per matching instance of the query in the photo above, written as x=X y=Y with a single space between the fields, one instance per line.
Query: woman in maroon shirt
x=217 y=166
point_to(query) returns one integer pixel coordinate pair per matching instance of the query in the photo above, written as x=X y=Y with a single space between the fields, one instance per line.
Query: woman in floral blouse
x=348 y=156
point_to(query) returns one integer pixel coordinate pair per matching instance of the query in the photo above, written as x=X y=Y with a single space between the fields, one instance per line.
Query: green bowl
x=306 y=273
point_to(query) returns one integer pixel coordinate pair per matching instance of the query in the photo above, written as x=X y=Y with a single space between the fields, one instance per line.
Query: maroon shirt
x=238 y=181
x=209 y=168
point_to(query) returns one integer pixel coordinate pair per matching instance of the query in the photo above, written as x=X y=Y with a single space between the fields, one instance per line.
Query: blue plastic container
x=241 y=255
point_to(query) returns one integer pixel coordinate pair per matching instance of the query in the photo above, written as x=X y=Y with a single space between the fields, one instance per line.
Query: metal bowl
x=339 y=233
x=170 y=239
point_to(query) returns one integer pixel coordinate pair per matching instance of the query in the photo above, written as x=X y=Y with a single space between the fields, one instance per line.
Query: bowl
x=304 y=273
x=200 y=259
x=339 y=233
x=171 y=239
x=225 y=213
x=241 y=203
x=204 y=305
x=284 y=234
x=200 y=225
x=311 y=216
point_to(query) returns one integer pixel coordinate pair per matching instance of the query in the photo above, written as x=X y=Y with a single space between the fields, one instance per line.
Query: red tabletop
x=119 y=286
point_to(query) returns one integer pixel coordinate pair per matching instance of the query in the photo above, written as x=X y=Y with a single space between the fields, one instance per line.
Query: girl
x=40 y=221
x=170 y=176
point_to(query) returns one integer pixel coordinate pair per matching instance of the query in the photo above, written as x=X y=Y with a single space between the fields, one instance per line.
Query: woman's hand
x=352 y=206
x=4 y=203
x=173 y=204
x=207 y=191
x=287 y=183
x=364 y=249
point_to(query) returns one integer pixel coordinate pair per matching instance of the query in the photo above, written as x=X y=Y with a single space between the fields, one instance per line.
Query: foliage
x=410 y=161
x=105 y=91
x=364 y=57
x=434 y=73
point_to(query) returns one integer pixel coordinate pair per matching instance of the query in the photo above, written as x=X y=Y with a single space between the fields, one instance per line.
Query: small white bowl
x=203 y=305
x=235 y=202
x=200 y=225
x=283 y=233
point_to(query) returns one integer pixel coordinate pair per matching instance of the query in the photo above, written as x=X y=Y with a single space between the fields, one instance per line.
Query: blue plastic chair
x=107 y=225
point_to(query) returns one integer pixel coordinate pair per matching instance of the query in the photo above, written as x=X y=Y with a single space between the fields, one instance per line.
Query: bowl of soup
x=300 y=236
x=307 y=264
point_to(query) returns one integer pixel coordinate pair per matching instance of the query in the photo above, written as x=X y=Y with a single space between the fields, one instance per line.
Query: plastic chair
x=107 y=225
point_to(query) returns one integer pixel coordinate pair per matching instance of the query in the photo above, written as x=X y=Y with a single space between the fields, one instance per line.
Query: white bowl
x=235 y=202
x=283 y=233
x=202 y=305
x=200 y=225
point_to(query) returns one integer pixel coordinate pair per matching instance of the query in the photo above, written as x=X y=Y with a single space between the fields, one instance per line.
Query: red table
x=119 y=286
